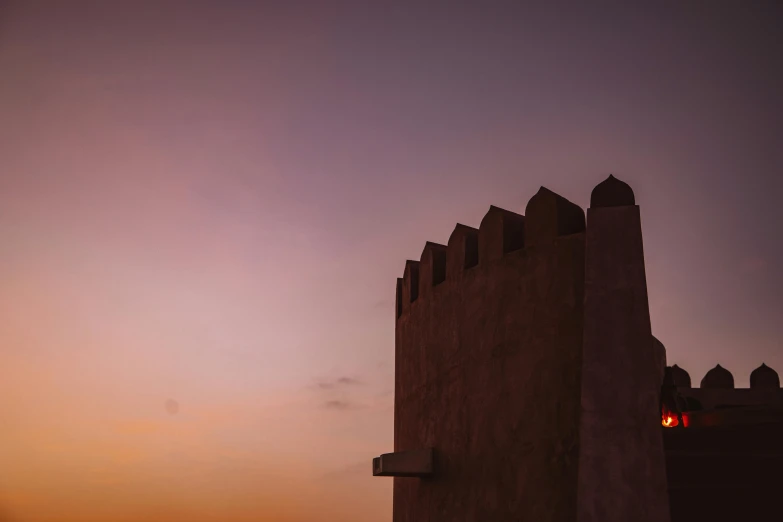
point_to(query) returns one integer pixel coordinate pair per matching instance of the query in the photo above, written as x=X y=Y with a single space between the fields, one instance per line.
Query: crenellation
x=501 y=232
x=549 y=215
x=432 y=267
x=410 y=289
x=462 y=251
x=762 y=378
x=718 y=392
x=525 y=365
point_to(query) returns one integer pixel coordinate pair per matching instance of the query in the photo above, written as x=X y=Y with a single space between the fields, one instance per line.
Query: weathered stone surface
x=622 y=475
x=488 y=374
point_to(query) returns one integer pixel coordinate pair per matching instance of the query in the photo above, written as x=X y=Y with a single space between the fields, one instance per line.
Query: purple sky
x=211 y=201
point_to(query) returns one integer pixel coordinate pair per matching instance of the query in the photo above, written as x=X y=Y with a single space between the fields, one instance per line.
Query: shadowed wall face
x=534 y=374
x=487 y=367
x=622 y=475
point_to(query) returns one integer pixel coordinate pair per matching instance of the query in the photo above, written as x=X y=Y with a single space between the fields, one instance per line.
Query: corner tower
x=509 y=342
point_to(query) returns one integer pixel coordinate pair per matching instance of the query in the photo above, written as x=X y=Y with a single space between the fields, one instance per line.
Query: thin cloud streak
x=340 y=405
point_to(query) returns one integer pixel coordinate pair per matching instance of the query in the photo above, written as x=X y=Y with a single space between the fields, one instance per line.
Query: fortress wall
x=726 y=473
x=488 y=358
x=525 y=359
x=717 y=388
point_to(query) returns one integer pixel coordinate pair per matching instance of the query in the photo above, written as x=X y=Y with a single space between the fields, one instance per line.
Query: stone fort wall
x=509 y=343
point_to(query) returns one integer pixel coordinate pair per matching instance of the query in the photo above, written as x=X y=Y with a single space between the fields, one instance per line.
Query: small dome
x=764 y=378
x=612 y=193
x=718 y=377
x=681 y=377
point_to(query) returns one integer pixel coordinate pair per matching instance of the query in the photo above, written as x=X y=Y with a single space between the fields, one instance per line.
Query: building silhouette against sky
x=529 y=385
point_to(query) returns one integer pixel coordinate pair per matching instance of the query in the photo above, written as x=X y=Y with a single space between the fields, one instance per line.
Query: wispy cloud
x=348 y=381
x=339 y=392
x=340 y=405
x=331 y=384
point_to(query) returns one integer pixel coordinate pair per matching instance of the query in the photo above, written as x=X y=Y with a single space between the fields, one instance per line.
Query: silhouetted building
x=529 y=386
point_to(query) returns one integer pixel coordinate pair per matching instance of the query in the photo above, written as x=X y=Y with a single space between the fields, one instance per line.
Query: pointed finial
x=612 y=193
x=718 y=377
x=764 y=378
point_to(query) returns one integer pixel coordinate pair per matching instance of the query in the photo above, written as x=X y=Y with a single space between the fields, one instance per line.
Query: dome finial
x=764 y=378
x=718 y=377
x=612 y=192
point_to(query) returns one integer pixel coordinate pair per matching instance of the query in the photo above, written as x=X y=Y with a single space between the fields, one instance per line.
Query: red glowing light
x=669 y=421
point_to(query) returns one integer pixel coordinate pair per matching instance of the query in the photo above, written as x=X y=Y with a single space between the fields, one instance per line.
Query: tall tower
x=527 y=381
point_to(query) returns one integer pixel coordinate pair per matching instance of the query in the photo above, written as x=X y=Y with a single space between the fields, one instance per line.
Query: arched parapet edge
x=719 y=378
x=549 y=215
x=764 y=378
x=501 y=232
x=432 y=267
x=718 y=391
x=682 y=378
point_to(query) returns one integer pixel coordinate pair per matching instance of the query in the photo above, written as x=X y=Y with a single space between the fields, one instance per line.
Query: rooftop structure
x=529 y=386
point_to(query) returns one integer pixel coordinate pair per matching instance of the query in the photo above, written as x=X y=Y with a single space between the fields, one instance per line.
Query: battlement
x=717 y=389
x=724 y=455
x=501 y=232
x=762 y=378
x=528 y=384
x=502 y=360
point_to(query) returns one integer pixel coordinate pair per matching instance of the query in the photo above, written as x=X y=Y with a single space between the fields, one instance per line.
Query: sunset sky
x=210 y=202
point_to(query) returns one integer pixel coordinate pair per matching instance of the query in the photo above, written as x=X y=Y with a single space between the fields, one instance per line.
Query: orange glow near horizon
x=204 y=207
